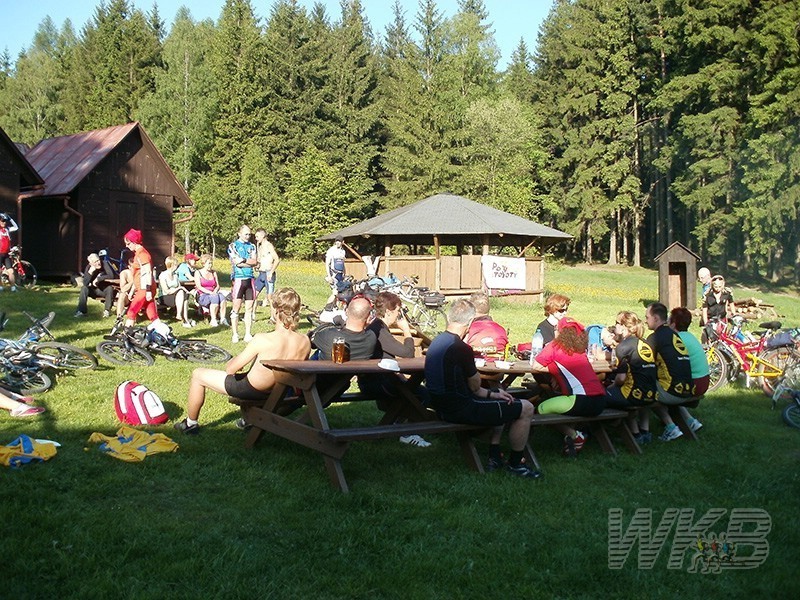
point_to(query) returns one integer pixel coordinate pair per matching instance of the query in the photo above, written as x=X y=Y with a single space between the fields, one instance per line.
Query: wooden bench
x=465 y=435
x=596 y=426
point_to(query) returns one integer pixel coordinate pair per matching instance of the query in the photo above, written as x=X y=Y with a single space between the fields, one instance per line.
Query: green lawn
x=216 y=520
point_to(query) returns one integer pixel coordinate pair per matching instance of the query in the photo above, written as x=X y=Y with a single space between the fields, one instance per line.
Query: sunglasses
x=563 y=310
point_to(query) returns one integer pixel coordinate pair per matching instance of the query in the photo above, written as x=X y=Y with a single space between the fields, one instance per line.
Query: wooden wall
x=123 y=192
x=458 y=275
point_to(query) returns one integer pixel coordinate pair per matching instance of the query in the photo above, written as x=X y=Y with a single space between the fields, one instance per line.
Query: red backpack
x=136 y=404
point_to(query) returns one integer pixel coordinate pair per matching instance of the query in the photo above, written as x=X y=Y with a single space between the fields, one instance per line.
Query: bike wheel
x=64 y=356
x=791 y=415
x=26 y=276
x=28 y=383
x=115 y=351
x=782 y=359
x=202 y=352
x=717 y=369
x=433 y=321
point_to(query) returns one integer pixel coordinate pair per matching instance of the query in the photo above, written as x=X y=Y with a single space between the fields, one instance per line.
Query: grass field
x=216 y=520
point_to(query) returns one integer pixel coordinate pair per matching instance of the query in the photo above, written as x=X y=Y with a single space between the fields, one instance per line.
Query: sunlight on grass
x=217 y=520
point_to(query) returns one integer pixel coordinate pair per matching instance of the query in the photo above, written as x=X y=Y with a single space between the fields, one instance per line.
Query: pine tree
x=179 y=114
x=113 y=67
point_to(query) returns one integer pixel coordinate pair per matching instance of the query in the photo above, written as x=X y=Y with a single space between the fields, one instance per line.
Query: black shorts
x=615 y=399
x=168 y=299
x=5 y=261
x=243 y=289
x=239 y=387
x=480 y=411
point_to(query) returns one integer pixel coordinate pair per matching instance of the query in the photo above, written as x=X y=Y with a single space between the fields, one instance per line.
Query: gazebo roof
x=454 y=219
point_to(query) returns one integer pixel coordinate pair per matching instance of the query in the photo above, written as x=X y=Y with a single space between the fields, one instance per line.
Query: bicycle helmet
x=4 y=217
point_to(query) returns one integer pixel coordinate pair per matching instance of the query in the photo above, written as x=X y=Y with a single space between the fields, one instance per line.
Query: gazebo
x=448 y=220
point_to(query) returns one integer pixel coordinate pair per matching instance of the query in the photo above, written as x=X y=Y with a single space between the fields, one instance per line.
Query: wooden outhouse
x=677 y=276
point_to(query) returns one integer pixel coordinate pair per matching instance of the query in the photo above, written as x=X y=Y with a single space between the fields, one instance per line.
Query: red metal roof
x=63 y=162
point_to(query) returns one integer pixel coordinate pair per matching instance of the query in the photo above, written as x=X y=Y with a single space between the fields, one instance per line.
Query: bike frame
x=746 y=354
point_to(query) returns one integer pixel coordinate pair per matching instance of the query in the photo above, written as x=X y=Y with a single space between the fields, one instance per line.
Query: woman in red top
x=582 y=394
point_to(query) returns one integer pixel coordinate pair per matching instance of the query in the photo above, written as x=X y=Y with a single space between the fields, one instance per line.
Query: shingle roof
x=449 y=215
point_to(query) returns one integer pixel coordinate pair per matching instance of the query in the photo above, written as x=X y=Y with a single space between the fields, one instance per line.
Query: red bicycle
x=763 y=360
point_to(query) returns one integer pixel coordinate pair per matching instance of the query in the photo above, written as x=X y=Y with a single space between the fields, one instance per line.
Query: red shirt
x=142 y=257
x=5 y=241
x=572 y=372
x=486 y=337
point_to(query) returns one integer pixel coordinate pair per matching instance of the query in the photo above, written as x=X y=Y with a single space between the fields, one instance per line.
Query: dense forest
x=631 y=124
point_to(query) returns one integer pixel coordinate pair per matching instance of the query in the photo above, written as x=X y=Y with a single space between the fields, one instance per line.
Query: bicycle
x=24 y=360
x=25 y=274
x=791 y=413
x=136 y=346
x=423 y=308
x=729 y=353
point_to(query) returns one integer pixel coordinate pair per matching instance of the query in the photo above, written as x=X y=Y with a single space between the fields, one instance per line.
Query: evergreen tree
x=587 y=91
x=112 y=69
x=178 y=115
x=236 y=65
x=518 y=80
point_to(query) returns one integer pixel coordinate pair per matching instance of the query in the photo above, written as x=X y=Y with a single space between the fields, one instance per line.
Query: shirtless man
x=268 y=261
x=284 y=343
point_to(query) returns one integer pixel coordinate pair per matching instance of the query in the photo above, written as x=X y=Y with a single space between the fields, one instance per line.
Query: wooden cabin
x=16 y=174
x=98 y=185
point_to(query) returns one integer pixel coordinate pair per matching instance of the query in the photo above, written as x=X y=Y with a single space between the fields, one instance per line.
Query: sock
x=494 y=452
x=515 y=458
x=190 y=422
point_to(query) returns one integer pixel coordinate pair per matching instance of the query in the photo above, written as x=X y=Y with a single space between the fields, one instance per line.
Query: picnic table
x=320 y=383
x=505 y=375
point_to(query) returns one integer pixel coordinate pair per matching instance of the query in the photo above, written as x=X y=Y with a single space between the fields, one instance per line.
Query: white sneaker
x=414 y=440
x=214 y=323
x=695 y=425
x=186 y=325
x=13 y=288
x=671 y=432
x=248 y=337
x=106 y=314
x=235 y=338
x=224 y=322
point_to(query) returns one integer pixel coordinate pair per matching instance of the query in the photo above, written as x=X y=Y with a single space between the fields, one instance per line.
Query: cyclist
x=242 y=253
x=7 y=227
x=334 y=267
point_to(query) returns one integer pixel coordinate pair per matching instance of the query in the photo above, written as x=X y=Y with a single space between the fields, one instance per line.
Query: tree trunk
x=637 y=240
x=612 y=240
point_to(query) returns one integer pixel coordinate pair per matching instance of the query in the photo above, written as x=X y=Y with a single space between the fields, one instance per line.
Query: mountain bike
x=729 y=353
x=25 y=274
x=136 y=346
x=24 y=360
x=424 y=309
x=791 y=413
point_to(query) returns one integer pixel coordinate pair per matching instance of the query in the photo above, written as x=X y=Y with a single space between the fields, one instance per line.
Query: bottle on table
x=537 y=343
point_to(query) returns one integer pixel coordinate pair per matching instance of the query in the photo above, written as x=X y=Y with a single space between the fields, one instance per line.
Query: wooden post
x=437 y=278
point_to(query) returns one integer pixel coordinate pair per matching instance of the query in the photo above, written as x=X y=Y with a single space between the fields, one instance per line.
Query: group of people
x=668 y=366
x=253 y=268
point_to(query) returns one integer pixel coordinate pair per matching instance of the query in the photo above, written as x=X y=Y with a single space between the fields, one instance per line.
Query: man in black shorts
x=455 y=389
x=255 y=383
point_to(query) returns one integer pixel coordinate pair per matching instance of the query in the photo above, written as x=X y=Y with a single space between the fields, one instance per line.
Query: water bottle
x=537 y=343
